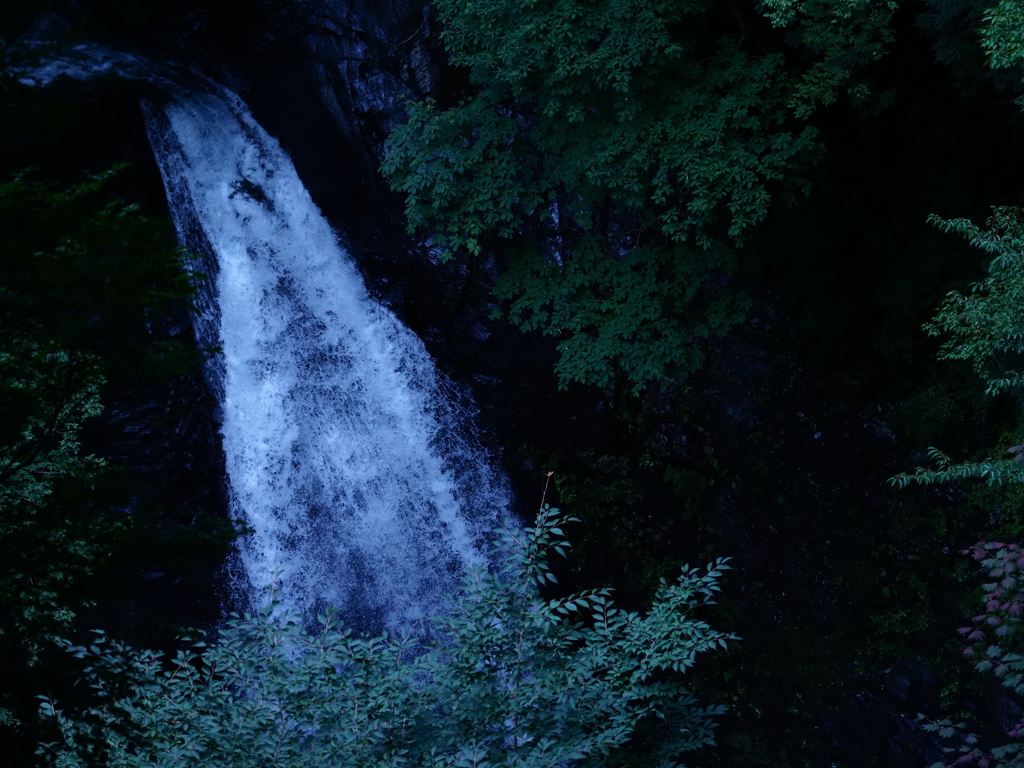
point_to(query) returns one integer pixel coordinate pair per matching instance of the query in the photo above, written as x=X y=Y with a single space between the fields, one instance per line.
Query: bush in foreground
x=510 y=679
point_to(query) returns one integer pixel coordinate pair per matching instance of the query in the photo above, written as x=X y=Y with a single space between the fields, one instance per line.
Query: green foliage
x=1002 y=37
x=954 y=26
x=641 y=314
x=842 y=35
x=985 y=326
x=612 y=155
x=990 y=470
x=45 y=549
x=512 y=679
x=985 y=329
x=82 y=283
x=55 y=392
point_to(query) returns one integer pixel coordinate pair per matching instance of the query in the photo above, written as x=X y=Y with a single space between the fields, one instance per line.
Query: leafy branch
x=511 y=678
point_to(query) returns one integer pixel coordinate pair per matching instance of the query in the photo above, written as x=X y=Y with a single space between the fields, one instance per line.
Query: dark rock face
x=337 y=90
x=333 y=95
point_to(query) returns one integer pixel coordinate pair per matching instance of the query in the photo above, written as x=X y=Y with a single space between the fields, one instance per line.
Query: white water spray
x=343 y=457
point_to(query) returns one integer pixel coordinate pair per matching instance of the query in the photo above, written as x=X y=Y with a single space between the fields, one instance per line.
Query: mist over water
x=359 y=478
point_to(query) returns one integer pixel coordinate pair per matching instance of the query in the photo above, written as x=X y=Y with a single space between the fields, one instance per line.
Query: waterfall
x=355 y=473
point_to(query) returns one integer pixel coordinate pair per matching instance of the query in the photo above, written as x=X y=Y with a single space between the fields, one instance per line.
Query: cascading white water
x=343 y=456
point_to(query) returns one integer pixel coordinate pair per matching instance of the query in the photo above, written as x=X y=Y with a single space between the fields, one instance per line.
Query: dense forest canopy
x=768 y=257
x=616 y=154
